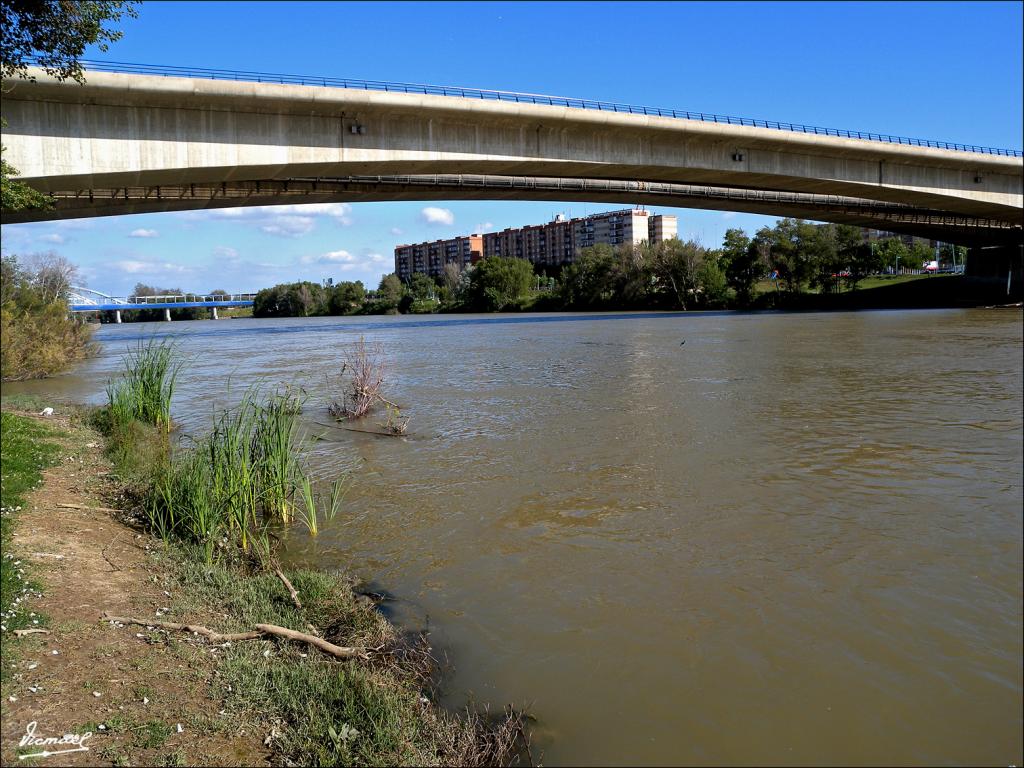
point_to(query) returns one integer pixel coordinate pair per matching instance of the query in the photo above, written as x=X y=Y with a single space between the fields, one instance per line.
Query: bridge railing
x=527 y=98
x=190 y=298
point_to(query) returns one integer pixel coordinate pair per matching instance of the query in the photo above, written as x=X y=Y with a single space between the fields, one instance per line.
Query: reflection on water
x=792 y=539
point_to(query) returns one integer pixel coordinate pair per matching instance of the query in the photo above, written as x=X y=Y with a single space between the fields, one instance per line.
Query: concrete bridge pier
x=167 y=315
x=998 y=271
x=117 y=315
x=213 y=313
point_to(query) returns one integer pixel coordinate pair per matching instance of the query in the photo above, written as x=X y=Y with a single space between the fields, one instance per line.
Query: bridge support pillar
x=213 y=313
x=117 y=315
x=167 y=315
x=996 y=272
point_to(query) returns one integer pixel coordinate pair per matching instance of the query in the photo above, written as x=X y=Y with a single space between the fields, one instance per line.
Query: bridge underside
x=125 y=143
x=895 y=217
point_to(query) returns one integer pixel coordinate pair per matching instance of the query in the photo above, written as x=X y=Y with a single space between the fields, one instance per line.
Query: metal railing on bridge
x=190 y=298
x=527 y=98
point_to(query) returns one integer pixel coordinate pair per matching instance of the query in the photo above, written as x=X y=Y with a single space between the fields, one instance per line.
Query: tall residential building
x=554 y=243
x=430 y=258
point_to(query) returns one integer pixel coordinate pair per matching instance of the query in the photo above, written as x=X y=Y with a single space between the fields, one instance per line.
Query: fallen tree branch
x=374 y=432
x=338 y=651
x=291 y=589
x=387 y=402
x=89 y=509
x=334 y=650
x=23 y=632
x=209 y=634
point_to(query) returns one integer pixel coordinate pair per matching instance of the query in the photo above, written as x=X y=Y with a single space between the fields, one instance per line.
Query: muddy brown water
x=794 y=538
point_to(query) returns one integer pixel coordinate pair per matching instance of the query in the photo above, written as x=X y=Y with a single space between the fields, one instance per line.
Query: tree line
x=775 y=267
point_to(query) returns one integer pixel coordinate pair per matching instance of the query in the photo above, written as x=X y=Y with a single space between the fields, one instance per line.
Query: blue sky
x=947 y=71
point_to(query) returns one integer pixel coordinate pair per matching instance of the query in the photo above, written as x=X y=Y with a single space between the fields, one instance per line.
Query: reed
x=275 y=446
x=337 y=495
x=234 y=483
x=308 y=511
x=146 y=386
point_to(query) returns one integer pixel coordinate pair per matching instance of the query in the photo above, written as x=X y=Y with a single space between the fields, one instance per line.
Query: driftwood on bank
x=374 y=432
x=33 y=631
x=90 y=509
x=288 y=585
x=262 y=630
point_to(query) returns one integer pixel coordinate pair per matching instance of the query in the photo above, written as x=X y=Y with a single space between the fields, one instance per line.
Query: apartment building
x=430 y=258
x=556 y=242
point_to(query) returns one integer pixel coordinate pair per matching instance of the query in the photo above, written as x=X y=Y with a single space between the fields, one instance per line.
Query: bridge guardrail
x=527 y=98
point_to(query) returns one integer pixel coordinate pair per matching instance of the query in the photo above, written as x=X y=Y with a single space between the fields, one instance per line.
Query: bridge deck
x=162 y=305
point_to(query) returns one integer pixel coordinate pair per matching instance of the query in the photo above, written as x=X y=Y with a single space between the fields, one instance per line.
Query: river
x=679 y=538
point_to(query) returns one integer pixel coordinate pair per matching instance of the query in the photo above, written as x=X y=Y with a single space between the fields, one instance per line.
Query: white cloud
x=280 y=220
x=53 y=238
x=343 y=261
x=225 y=252
x=331 y=257
x=289 y=226
x=433 y=215
x=729 y=215
x=144 y=233
x=135 y=267
x=486 y=226
x=396 y=231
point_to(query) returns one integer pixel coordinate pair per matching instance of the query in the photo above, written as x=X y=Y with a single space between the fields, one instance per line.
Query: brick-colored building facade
x=556 y=242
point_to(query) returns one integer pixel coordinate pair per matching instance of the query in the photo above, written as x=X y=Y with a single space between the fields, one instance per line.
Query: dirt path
x=145 y=704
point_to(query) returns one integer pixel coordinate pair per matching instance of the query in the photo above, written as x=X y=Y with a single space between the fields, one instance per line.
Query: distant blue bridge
x=86 y=300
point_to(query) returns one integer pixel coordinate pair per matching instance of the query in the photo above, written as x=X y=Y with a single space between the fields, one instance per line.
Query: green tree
x=421 y=287
x=588 y=282
x=892 y=253
x=712 y=283
x=346 y=297
x=818 y=249
x=303 y=299
x=918 y=254
x=391 y=288
x=743 y=264
x=53 y=34
x=862 y=261
x=498 y=283
x=40 y=337
x=675 y=267
x=793 y=251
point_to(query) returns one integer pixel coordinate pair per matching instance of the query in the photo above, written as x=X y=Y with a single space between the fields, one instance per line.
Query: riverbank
x=154 y=695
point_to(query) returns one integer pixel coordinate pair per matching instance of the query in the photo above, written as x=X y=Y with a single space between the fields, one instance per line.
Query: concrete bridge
x=87 y=300
x=161 y=139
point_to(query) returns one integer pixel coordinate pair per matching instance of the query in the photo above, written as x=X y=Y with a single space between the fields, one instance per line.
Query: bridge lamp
x=977 y=178
x=737 y=156
x=361 y=129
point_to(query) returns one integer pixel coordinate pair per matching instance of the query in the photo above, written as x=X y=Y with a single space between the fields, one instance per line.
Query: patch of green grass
x=24 y=453
x=174 y=759
x=353 y=712
x=28 y=403
x=152 y=734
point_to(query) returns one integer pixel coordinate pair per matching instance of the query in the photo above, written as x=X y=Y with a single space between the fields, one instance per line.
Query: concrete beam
x=132 y=130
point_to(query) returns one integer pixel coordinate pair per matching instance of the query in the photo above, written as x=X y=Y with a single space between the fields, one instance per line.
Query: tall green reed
x=146 y=386
x=234 y=483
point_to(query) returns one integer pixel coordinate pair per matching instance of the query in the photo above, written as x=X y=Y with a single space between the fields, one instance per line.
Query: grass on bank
x=24 y=452
x=362 y=712
x=215 y=505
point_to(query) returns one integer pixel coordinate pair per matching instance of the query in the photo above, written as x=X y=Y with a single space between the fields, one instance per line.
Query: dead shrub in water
x=362 y=374
x=395 y=425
